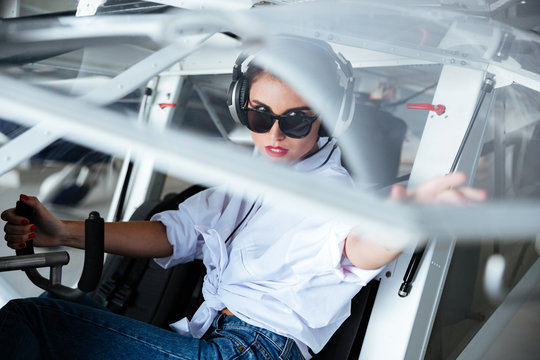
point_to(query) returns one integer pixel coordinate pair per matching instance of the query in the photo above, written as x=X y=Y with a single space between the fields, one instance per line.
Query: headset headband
x=239 y=88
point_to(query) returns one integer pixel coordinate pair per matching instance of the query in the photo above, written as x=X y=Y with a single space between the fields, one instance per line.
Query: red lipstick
x=275 y=151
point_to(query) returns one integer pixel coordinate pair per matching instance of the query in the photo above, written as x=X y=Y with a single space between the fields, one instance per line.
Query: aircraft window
x=383 y=126
x=71 y=180
x=75 y=70
x=33 y=8
x=202 y=106
x=527 y=53
x=509 y=169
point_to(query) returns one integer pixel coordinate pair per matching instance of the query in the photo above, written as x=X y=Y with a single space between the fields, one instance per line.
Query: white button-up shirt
x=283 y=270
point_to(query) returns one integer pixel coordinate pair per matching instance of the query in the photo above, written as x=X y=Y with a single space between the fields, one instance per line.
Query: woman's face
x=271 y=94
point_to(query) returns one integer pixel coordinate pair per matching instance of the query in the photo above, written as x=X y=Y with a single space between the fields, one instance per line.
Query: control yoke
x=27 y=261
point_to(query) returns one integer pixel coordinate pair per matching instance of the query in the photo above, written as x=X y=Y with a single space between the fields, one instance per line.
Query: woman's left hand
x=445 y=189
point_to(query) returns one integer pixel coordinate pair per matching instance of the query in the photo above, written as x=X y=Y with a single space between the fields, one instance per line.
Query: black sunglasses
x=295 y=124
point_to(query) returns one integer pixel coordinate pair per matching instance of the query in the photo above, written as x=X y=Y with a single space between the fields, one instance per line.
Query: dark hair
x=251 y=74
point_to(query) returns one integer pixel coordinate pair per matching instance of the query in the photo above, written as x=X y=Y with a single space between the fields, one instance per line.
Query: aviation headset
x=238 y=92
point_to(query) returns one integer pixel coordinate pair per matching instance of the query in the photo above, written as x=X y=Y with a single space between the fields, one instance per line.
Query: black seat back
x=346 y=342
x=376 y=138
x=141 y=289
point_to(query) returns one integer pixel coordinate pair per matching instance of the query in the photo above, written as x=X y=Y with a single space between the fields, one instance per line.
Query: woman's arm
x=370 y=254
x=367 y=254
x=135 y=239
x=132 y=238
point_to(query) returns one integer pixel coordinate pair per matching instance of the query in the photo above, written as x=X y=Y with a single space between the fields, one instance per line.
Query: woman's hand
x=132 y=238
x=445 y=189
x=46 y=230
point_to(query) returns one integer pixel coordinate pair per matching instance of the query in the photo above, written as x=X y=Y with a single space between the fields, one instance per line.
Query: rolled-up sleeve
x=180 y=225
x=350 y=272
x=335 y=242
x=213 y=208
x=181 y=235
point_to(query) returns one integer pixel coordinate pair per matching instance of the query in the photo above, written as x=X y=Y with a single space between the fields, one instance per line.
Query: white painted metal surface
x=395 y=316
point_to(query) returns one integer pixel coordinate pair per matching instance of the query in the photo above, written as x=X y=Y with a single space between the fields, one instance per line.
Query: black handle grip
x=93 y=257
x=94 y=231
x=25 y=210
x=408 y=278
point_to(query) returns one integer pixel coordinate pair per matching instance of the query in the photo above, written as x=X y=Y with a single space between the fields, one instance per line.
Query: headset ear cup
x=236 y=98
x=241 y=99
x=347 y=108
x=231 y=100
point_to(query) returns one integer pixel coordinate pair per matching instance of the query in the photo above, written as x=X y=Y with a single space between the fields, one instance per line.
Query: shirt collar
x=318 y=159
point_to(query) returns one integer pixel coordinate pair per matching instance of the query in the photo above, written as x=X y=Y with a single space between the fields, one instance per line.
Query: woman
x=278 y=283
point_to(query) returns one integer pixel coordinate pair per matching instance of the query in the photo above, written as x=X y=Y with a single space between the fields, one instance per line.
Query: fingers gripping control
x=93 y=260
x=26 y=211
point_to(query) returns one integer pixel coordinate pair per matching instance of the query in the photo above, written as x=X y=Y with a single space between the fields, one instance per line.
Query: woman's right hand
x=46 y=230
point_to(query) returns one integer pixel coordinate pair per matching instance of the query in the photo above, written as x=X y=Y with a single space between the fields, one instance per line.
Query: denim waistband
x=232 y=323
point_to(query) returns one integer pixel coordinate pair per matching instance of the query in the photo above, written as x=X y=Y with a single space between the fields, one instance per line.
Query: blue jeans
x=46 y=328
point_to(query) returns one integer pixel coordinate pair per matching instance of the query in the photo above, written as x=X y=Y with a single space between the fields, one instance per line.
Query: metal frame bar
x=145 y=182
x=10 y=9
x=416 y=312
x=142 y=72
x=22 y=147
x=168 y=28
x=33 y=261
x=194 y=160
